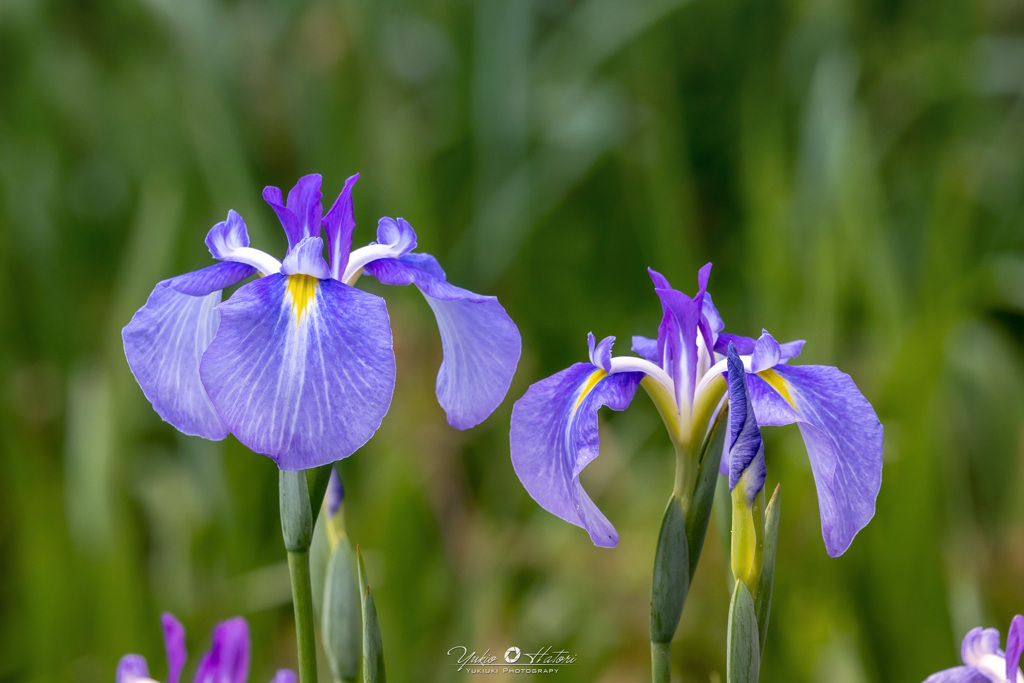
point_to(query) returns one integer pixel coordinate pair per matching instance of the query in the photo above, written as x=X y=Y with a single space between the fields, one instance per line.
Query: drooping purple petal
x=339 y=223
x=481 y=344
x=601 y=353
x=228 y=659
x=165 y=340
x=743 y=440
x=301 y=369
x=174 y=644
x=554 y=436
x=1014 y=647
x=307 y=258
x=227 y=236
x=301 y=215
x=647 y=348
x=132 y=669
x=960 y=674
x=211 y=279
x=843 y=438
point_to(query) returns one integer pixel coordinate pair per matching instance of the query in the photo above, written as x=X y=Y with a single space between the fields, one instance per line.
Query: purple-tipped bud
x=335 y=493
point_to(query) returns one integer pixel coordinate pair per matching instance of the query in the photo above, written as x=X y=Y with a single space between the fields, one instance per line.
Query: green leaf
x=763 y=602
x=296 y=515
x=744 y=652
x=671 y=574
x=341 y=621
x=373 y=646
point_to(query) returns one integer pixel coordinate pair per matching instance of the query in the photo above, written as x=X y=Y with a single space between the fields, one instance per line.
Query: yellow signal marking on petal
x=302 y=289
x=595 y=377
x=779 y=384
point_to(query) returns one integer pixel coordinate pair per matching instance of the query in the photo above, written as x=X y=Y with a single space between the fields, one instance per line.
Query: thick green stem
x=661 y=657
x=302 y=598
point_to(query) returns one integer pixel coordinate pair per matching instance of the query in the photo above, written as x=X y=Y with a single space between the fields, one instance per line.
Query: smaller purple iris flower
x=984 y=662
x=298 y=364
x=226 y=662
x=554 y=431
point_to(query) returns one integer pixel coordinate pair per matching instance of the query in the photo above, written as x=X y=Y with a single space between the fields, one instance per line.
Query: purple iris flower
x=226 y=662
x=298 y=364
x=984 y=662
x=554 y=425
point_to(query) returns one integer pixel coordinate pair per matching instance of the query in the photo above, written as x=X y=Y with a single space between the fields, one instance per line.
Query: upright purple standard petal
x=301 y=215
x=743 y=440
x=1014 y=647
x=677 y=337
x=843 y=438
x=554 y=436
x=174 y=644
x=132 y=669
x=301 y=369
x=165 y=341
x=228 y=659
x=481 y=344
x=339 y=223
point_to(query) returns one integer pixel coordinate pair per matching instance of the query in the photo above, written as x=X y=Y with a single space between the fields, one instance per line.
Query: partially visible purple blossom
x=984 y=661
x=226 y=662
x=298 y=364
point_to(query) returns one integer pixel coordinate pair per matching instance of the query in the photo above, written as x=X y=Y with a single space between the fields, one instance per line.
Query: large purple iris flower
x=984 y=662
x=298 y=364
x=226 y=662
x=554 y=431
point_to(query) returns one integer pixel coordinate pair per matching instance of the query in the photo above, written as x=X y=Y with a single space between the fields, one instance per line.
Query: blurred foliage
x=855 y=170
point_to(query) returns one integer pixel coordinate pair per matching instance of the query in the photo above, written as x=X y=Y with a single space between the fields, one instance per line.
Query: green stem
x=302 y=598
x=661 y=656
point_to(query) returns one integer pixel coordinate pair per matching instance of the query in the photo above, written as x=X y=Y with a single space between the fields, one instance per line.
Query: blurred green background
x=855 y=171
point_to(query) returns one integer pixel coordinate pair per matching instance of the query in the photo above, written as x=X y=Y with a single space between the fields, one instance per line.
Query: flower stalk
x=297 y=530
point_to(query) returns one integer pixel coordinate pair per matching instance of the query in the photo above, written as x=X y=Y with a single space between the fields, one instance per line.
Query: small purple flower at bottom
x=226 y=662
x=984 y=662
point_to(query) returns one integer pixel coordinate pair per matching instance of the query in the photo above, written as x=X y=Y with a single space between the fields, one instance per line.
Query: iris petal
x=960 y=674
x=307 y=258
x=165 y=341
x=301 y=370
x=174 y=644
x=843 y=438
x=284 y=676
x=744 y=445
x=132 y=669
x=554 y=436
x=228 y=659
x=481 y=344
x=301 y=215
x=646 y=347
x=339 y=223
x=1014 y=647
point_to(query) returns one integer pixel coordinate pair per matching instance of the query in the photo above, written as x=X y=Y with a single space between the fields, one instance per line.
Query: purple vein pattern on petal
x=174 y=644
x=131 y=669
x=843 y=438
x=481 y=344
x=165 y=340
x=339 y=223
x=301 y=370
x=228 y=659
x=554 y=436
